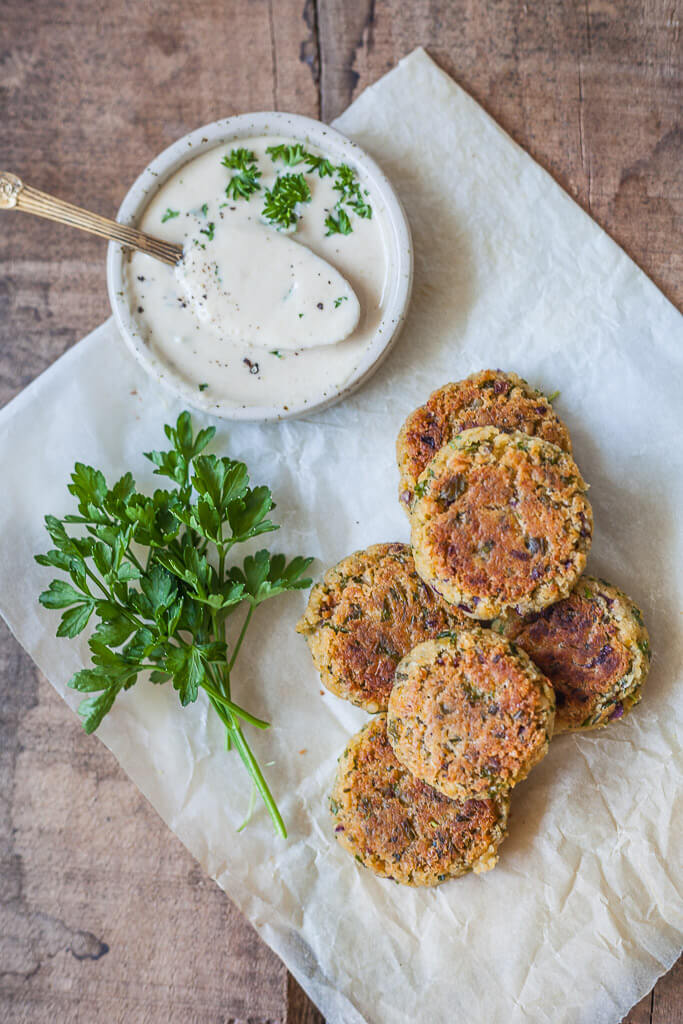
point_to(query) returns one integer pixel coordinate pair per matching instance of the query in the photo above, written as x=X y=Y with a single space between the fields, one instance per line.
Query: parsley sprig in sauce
x=280 y=201
x=244 y=181
x=153 y=571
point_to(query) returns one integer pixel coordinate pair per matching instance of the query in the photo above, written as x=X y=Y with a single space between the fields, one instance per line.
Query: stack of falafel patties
x=476 y=643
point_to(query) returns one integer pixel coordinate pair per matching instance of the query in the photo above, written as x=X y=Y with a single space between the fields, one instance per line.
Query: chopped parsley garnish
x=339 y=225
x=290 y=189
x=291 y=155
x=244 y=181
x=169 y=214
x=555 y=394
x=345 y=181
x=205 y=208
x=296 y=154
x=276 y=352
x=208 y=230
x=281 y=199
x=202 y=387
x=338 y=302
x=319 y=165
x=350 y=191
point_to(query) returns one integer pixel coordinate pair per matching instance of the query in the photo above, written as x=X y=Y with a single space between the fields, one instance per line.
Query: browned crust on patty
x=401 y=828
x=488 y=398
x=499 y=521
x=369 y=611
x=470 y=714
x=593 y=647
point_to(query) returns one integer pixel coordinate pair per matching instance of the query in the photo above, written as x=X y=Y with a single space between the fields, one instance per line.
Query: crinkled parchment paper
x=583 y=912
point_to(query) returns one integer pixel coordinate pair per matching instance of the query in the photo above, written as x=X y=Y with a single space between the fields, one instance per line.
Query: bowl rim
x=225 y=130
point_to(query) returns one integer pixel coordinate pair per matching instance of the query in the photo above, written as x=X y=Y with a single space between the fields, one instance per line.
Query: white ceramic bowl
x=341 y=150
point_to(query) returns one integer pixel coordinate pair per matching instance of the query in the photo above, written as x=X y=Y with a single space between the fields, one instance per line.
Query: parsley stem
x=235 y=708
x=134 y=560
x=110 y=597
x=252 y=766
x=240 y=638
x=222 y=684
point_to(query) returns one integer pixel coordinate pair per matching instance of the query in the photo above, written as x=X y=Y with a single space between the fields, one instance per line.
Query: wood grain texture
x=591 y=88
x=103 y=914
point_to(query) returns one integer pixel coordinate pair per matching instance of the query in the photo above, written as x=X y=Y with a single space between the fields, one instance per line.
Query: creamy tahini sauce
x=255 y=285
x=253 y=316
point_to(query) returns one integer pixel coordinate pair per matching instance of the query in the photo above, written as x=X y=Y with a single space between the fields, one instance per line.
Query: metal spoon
x=15 y=195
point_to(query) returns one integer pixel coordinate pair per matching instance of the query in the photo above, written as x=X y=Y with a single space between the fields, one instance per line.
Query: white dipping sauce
x=299 y=301
x=253 y=316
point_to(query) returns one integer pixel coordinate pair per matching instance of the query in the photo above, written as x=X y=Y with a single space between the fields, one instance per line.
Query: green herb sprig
x=351 y=196
x=280 y=201
x=244 y=182
x=296 y=154
x=339 y=225
x=153 y=570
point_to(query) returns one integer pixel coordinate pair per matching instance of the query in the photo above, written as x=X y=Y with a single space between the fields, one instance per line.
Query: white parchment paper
x=584 y=911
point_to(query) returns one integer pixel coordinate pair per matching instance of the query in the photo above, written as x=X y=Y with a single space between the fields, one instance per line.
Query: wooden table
x=104 y=916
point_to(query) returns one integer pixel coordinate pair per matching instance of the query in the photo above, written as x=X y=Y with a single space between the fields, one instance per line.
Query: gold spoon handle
x=15 y=195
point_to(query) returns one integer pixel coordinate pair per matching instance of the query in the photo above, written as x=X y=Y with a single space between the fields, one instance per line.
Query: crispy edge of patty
x=320 y=634
x=614 y=610
x=479 y=448
x=391 y=834
x=412 y=713
x=432 y=425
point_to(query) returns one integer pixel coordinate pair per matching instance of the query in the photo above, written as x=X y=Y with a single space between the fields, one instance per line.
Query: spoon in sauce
x=14 y=194
x=232 y=295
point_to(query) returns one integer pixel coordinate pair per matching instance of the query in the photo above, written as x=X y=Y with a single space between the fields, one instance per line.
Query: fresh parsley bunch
x=153 y=571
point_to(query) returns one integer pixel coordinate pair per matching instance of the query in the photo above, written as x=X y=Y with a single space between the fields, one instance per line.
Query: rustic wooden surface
x=103 y=914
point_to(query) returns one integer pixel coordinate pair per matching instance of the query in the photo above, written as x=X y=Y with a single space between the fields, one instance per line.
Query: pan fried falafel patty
x=500 y=521
x=593 y=647
x=401 y=828
x=371 y=609
x=488 y=398
x=470 y=714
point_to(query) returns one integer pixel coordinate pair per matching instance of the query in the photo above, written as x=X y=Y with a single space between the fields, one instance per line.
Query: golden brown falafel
x=500 y=521
x=401 y=828
x=593 y=647
x=488 y=398
x=369 y=611
x=470 y=714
